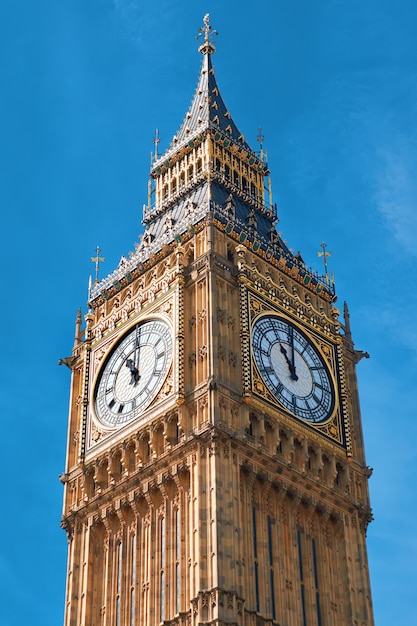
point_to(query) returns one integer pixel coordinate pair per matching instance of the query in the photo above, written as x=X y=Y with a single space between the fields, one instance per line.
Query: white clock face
x=292 y=368
x=134 y=373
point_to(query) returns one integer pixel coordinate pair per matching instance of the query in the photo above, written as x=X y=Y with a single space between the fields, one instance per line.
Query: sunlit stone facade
x=219 y=476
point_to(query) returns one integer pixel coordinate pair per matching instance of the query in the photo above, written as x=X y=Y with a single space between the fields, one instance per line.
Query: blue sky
x=333 y=84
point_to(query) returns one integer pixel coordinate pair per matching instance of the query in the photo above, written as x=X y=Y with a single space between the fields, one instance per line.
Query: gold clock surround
x=108 y=337
x=334 y=428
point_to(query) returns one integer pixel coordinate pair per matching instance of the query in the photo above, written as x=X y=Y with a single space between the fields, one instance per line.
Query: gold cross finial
x=208 y=46
x=325 y=254
x=97 y=259
x=260 y=139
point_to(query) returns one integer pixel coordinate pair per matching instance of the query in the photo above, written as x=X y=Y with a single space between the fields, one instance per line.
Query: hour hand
x=284 y=352
x=290 y=364
x=134 y=372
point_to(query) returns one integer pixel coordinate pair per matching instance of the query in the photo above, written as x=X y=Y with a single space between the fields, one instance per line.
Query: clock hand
x=137 y=339
x=291 y=365
x=284 y=352
x=292 y=368
x=134 y=372
x=137 y=350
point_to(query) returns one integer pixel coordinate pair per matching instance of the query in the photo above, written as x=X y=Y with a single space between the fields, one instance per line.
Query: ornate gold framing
x=336 y=427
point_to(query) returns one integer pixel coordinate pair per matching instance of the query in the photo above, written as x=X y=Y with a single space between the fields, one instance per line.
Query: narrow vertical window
x=132 y=580
x=316 y=581
x=271 y=567
x=300 y=563
x=162 y=570
x=177 y=561
x=255 y=554
x=146 y=558
x=118 y=580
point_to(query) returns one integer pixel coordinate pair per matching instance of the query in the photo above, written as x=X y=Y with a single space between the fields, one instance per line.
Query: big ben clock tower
x=215 y=466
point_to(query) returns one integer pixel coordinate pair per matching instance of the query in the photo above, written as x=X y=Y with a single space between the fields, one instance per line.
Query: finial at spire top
x=208 y=46
x=97 y=259
x=325 y=254
x=260 y=139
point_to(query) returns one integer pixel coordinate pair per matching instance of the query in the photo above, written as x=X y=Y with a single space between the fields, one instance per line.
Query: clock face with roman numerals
x=293 y=369
x=133 y=373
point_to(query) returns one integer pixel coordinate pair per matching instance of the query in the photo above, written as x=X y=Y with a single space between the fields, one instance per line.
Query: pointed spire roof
x=207 y=109
x=181 y=206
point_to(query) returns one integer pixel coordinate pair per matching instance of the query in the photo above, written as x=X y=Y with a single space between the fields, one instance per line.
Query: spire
x=207 y=109
x=346 y=317
x=156 y=140
x=209 y=169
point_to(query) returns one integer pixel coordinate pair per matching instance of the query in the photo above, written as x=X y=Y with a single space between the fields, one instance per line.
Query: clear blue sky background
x=333 y=83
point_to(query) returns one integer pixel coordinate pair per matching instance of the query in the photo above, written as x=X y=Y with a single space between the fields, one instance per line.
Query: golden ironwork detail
x=336 y=427
x=207 y=47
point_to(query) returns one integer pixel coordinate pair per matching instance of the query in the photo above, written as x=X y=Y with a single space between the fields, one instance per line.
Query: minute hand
x=293 y=374
x=290 y=364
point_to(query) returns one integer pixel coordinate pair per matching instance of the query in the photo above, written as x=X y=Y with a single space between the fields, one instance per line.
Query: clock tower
x=215 y=467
